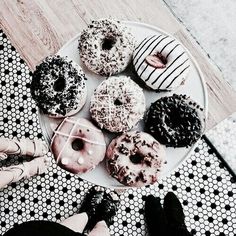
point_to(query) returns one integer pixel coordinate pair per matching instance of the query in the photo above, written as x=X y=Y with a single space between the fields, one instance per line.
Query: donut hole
x=136 y=158
x=162 y=58
x=173 y=119
x=59 y=85
x=108 y=43
x=77 y=144
x=118 y=102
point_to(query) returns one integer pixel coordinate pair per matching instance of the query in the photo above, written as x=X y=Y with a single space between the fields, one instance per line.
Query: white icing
x=177 y=67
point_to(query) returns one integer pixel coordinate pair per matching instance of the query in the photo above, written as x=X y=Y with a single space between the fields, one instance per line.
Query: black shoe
x=91 y=201
x=175 y=215
x=108 y=208
x=155 y=216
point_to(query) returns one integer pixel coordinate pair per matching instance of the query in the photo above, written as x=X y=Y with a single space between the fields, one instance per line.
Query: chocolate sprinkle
x=176 y=121
x=58 y=86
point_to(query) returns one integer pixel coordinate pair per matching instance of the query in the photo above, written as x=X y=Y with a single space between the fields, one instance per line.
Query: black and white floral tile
x=202 y=183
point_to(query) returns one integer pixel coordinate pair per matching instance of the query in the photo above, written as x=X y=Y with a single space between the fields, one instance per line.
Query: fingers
x=155 y=217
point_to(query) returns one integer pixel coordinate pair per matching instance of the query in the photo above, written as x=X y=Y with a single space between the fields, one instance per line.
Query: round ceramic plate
x=194 y=87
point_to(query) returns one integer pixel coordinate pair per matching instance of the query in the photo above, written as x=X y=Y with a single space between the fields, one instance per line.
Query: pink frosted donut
x=135 y=159
x=77 y=145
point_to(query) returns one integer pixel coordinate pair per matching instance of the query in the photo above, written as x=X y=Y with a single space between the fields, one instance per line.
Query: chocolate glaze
x=176 y=121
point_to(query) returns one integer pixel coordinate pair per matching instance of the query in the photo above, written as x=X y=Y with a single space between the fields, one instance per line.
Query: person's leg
x=76 y=222
x=100 y=229
x=90 y=203
x=155 y=216
x=24 y=146
x=15 y=173
x=175 y=215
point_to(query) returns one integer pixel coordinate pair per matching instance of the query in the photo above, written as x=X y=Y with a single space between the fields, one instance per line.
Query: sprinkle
x=80 y=160
x=90 y=152
x=64 y=161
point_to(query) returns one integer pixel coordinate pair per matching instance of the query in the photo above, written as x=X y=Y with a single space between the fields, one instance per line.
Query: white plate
x=194 y=87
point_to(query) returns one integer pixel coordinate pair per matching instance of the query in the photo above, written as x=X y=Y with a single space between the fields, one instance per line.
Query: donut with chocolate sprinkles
x=106 y=47
x=58 y=86
x=135 y=159
x=175 y=121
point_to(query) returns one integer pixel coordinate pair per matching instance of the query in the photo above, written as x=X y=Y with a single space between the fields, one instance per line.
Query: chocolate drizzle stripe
x=172 y=72
x=167 y=45
x=141 y=46
x=159 y=52
x=178 y=75
x=167 y=69
x=78 y=137
x=145 y=50
x=151 y=51
x=172 y=50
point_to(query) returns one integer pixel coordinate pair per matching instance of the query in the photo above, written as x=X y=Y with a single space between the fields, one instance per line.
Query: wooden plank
x=38 y=28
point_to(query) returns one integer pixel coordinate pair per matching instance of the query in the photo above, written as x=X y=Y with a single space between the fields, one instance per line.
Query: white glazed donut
x=135 y=159
x=58 y=86
x=77 y=145
x=106 y=47
x=117 y=104
x=161 y=62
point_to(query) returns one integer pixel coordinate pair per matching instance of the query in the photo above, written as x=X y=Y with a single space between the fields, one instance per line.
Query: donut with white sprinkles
x=106 y=47
x=117 y=104
x=176 y=121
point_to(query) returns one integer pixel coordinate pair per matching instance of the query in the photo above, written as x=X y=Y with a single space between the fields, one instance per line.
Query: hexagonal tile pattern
x=203 y=185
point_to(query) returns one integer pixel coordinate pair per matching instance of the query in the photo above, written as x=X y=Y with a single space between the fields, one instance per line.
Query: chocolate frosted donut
x=176 y=121
x=117 y=104
x=106 y=47
x=77 y=145
x=58 y=86
x=135 y=159
x=161 y=62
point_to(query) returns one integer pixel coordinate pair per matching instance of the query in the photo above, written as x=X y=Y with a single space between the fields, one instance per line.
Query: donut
x=77 y=145
x=117 y=104
x=135 y=159
x=58 y=86
x=175 y=121
x=106 y=47
x=161 y=62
